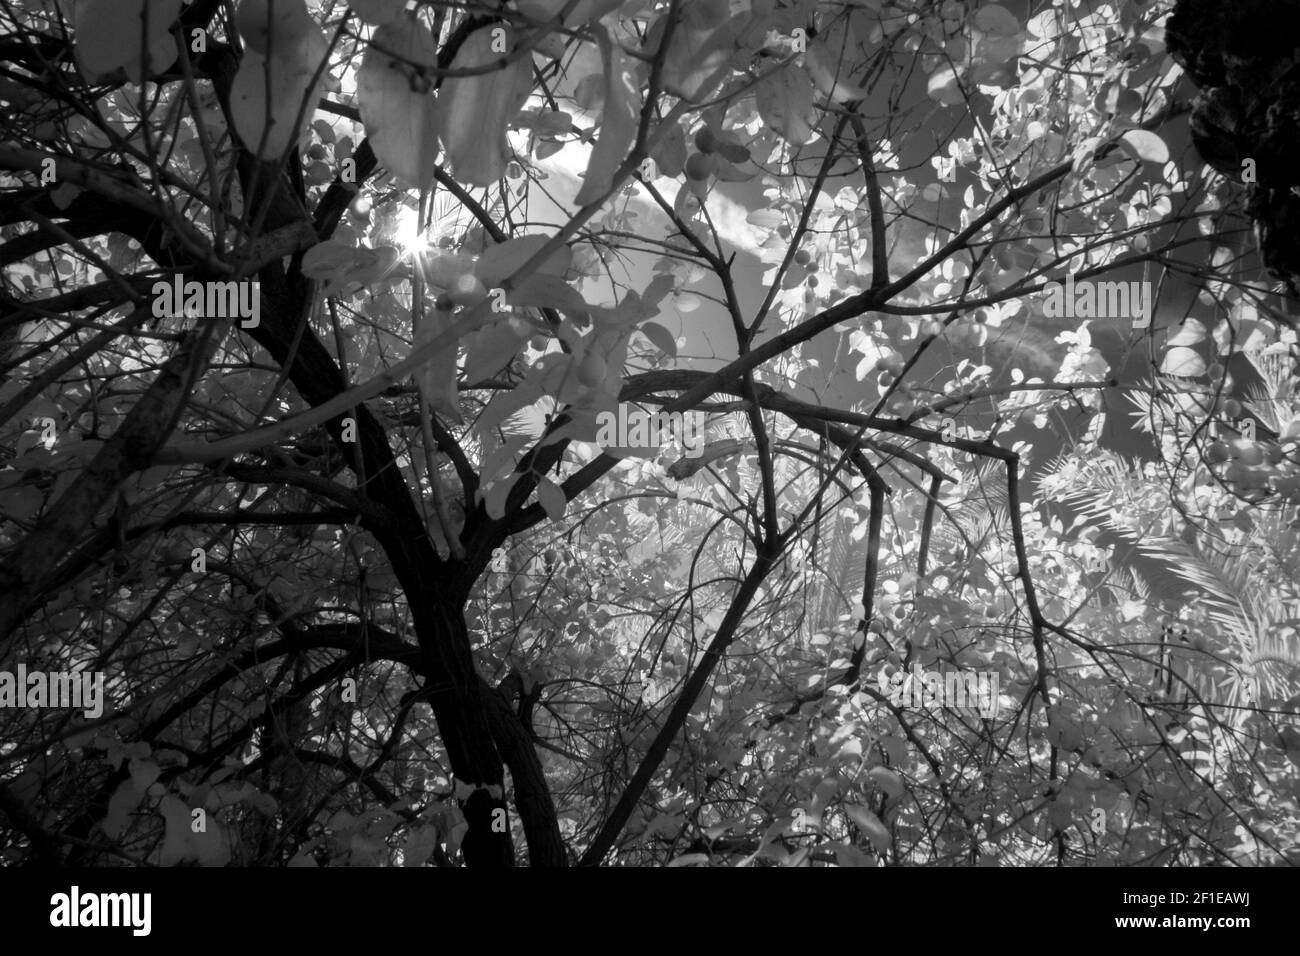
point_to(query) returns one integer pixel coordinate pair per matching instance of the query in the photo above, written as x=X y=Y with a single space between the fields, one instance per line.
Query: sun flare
x=406 y=233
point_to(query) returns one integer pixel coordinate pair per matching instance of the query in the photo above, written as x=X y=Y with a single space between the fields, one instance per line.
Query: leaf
x=494 y=500
x=888 y=781
x=1191 y=333
x=327 y=259
x=371 y=265
x=774 y=829
x=590 y=92
x=1180 y=360
x=176 y=843
x=335 y=264
x=618 y=123
x=264 y=804
x=798 y=857
x=894 y=748
x=273 y=97
x=824 y=67
x=785 y=102
x=994 y=62
x=659 y=287
x=377 y=11
x=273 y=26
x=870 y=826
x=551 y=498
x=210 y=847
x=501 y=458
x=663 y=339
x=548 y=292
x=1289 y=741
x=490 y=350
x=143 y=773
x=944 y=86
x=547 y=147
x=731 y=152
x=583 y=11
x=701 y=45
x=669 y=151
x=63 y=195
x=1144 y=145
x=846 y=854
x=109 y=35
x=437 y=376
x=501 y=261
x=442 y=270
x=418 y=845
x=473 y=111
x=996 y=19
x=505 y=404
x=550 y=122
x=794 y=276
x=398 y=112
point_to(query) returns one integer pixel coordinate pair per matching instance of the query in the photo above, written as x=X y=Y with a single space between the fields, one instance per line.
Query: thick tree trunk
x=532 y=796
x=446 y=657
x=469 y=714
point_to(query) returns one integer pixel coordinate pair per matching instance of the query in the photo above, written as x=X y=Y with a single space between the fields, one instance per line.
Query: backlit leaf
x=1145 y=145
x=618 y=123
x=1181 y=360
x=500 y=261
x=870 y=826
x=273 y=98
x=472 y=111
x=396 y=106
x=113 y=34
x=785 y=101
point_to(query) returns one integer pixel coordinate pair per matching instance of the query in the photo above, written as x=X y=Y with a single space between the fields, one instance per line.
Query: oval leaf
x=490 y=350
x=785 y=101
x=1145 y=145
x=552 y=499
x=501 y=261
x=870 y=826
x=1191 y=333
x=944 y=86
x=701 y=46
x=997 y=19
x=663 y=339
x=273 y=98
x=109 y=35
x=396 y=107
x=272 y=26
x=1182 y=361
x=437 y=376
x=472 y=111
x=888 y=781
x=825 y=67
x=618 y=123
x=548 y=292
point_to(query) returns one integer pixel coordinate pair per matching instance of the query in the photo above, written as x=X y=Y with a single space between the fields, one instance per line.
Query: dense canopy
x=649 y=432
